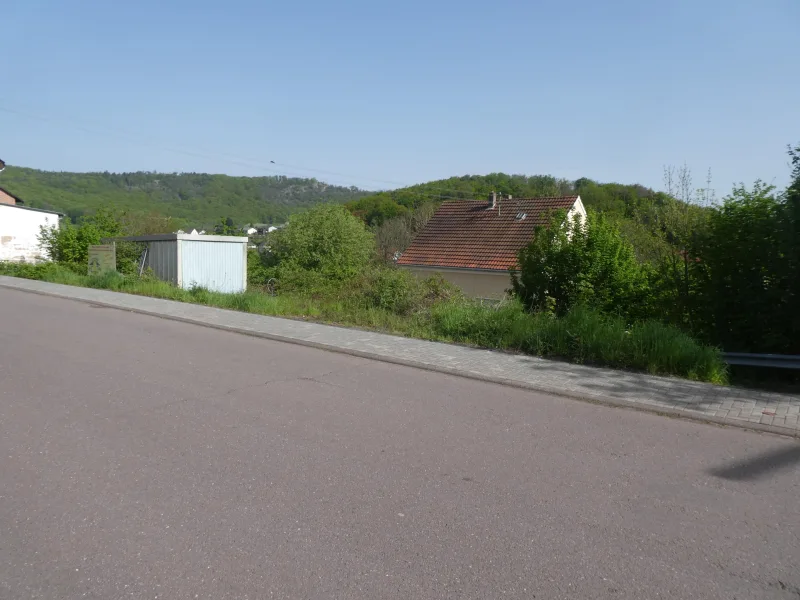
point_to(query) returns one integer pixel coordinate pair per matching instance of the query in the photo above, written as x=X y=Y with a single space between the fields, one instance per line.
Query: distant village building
x=260 y=229
x=20 y=227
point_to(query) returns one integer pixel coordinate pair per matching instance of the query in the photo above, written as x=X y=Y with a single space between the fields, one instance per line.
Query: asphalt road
x=145 y=458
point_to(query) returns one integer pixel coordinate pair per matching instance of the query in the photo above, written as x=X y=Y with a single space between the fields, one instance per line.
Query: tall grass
x=582 y=336
x=399 y=304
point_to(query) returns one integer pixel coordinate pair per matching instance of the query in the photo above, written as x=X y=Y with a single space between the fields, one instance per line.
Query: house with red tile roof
x=474 y=243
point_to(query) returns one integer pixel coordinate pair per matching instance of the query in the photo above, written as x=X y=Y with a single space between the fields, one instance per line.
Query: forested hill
x=609 y=198
x=201 y=200
x=196 y=199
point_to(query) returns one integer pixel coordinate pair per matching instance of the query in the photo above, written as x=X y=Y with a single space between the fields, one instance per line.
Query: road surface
x=146 y=458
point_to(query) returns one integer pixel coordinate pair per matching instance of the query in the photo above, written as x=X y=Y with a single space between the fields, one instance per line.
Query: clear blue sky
x=404 y=91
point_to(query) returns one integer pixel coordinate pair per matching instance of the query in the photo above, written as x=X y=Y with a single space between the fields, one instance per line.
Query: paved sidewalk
x=732 y=406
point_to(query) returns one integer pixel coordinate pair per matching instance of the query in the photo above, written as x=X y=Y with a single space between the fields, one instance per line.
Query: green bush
x=259 y=268
x=582 y=335
x=69 y=244
x=437 y=289
x=395 y=290
x=569 y=263
x=322 y=248
x=393 y=300
x=46 y=271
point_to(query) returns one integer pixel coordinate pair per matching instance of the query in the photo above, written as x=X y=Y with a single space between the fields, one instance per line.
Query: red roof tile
x=467 y=234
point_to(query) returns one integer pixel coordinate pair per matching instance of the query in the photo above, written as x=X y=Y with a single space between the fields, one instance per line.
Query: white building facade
x=19 y=232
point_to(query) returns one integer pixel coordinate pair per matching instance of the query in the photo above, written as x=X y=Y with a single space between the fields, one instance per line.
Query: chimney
x=493 y=201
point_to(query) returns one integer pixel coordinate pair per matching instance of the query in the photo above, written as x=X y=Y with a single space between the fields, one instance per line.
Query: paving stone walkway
x=778 y=413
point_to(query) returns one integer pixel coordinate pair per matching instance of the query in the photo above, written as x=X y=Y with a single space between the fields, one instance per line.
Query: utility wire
x=430 y=192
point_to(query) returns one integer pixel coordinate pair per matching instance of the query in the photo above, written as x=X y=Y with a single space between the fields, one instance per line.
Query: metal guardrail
x=780 y=361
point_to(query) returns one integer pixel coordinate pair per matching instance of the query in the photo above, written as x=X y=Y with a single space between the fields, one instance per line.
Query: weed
x=393 y=301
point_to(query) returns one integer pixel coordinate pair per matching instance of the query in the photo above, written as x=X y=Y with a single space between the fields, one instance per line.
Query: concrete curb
x=564 y=393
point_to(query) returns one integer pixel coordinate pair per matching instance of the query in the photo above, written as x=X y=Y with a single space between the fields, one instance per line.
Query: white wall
x=19 y=232
x=215 y=266
x=577 y=209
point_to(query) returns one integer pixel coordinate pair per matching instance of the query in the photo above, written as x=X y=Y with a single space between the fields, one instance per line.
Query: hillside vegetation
x=193 y=199
x=610 y=198
x=655 y=281
x=201 y=200
x=639 y=212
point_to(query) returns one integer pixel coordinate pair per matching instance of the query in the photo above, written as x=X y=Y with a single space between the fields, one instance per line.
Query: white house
x=20 y=226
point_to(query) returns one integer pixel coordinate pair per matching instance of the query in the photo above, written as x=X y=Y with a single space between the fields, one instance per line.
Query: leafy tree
x=69 y=243
x=377 y=208
x=323 y=246
x=392 y=237
x=226 y=226
x=751 y=254
x=745 y=258
x=395 y=235
x=570 y=263
x=792 y=200
x=679 y=223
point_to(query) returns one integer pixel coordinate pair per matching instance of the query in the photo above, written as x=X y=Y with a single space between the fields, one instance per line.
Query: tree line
x=727 y=273
x=192 y=200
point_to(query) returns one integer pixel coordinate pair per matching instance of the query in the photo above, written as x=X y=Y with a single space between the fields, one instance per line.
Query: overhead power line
x=274 y=167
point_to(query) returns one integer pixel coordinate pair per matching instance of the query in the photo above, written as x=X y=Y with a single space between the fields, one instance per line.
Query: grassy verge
x=393 y=302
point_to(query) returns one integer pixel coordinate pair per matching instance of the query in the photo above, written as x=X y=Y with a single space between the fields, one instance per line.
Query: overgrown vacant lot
x=391 y=300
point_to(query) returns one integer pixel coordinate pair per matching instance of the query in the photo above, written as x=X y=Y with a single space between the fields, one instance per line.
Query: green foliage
x=395 y=290
x=193 y=199
x=439 y=312
x=612 y=199
x=45 y=271
x=792 y=242
x=569 y=263
x=581 y=335
x=747 y=255
x=728 y=275
x=400 y=292
x=322 y=247
x=260 y=269
x=226 y=226
x=69 y=244
x=377 y=208
x=394 y=235
x=679 y=268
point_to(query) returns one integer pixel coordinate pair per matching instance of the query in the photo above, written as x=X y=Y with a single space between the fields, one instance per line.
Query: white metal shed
x=214 y=262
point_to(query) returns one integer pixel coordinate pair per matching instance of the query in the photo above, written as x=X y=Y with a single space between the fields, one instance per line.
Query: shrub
x=395 y=290
x=392 y=299
x=574 y=263
x=749 y=253
x=259 y=268
x=437 y=289
x=394 y=235
x=322 y=247
x=582 y=335
x=69 y=244
x=47 y=271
